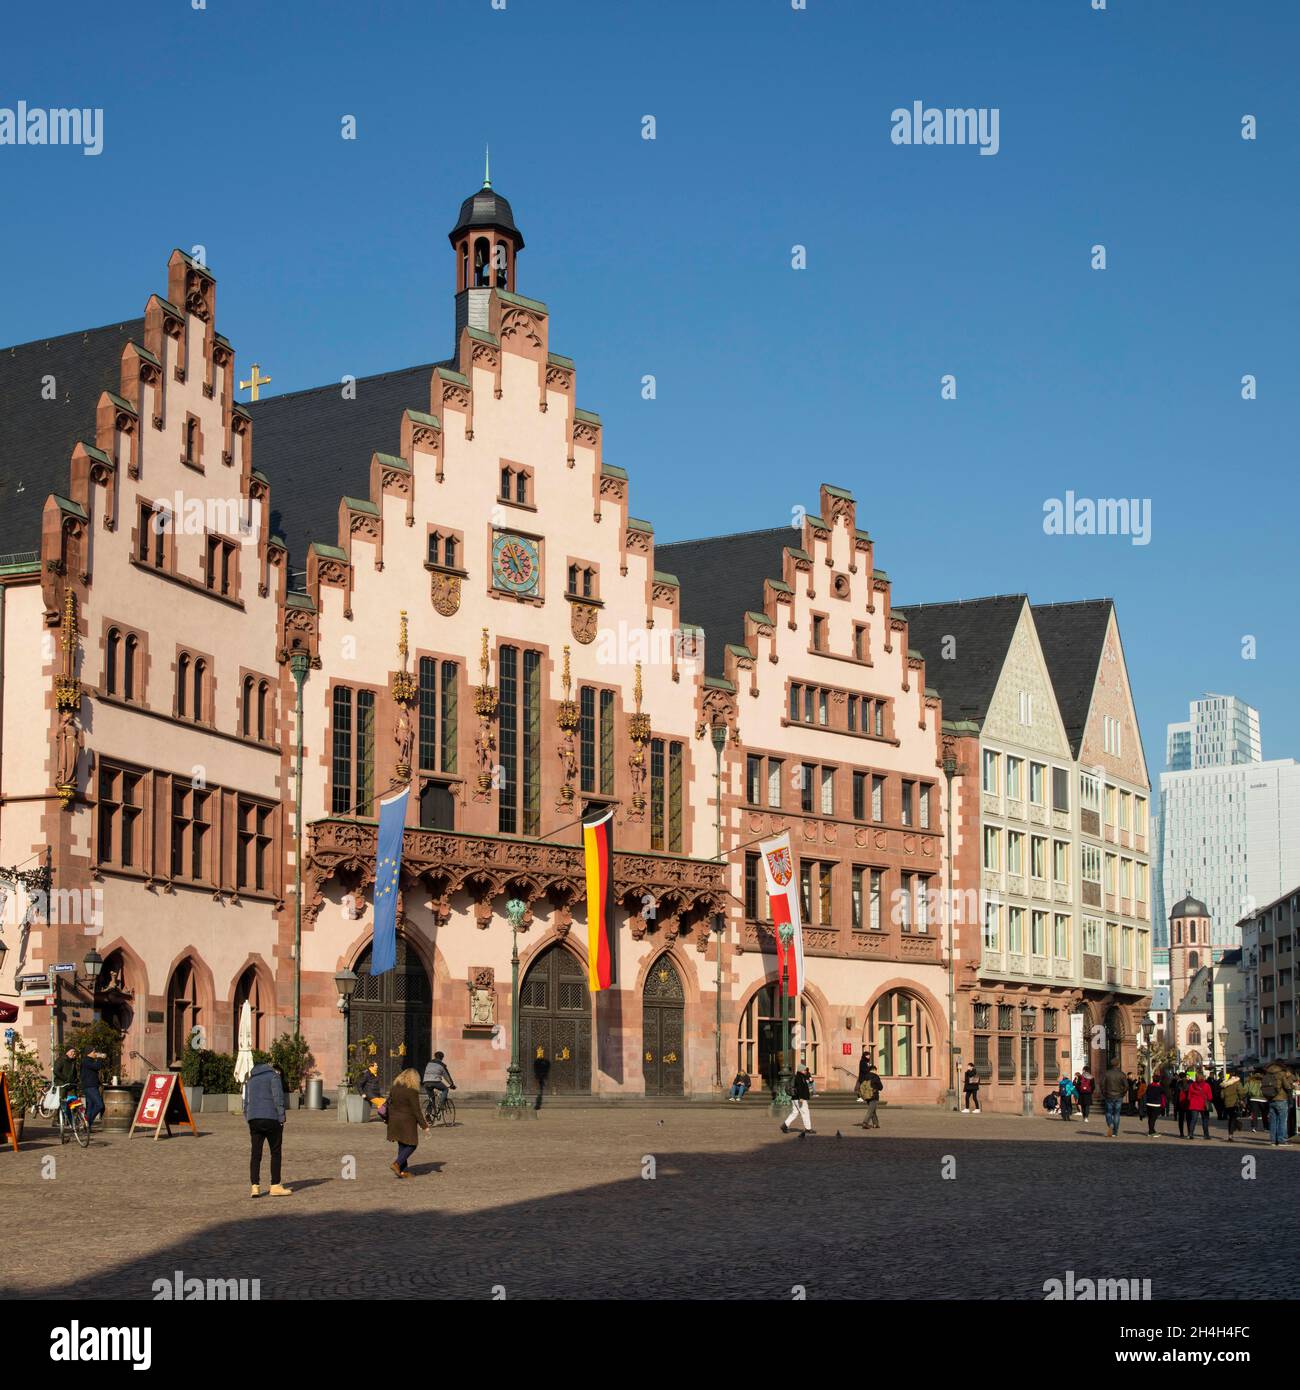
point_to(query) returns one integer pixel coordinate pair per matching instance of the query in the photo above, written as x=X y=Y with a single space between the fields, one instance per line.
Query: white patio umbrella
x=244 y=1062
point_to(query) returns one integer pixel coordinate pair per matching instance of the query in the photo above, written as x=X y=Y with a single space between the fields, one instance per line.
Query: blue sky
x=673 y=257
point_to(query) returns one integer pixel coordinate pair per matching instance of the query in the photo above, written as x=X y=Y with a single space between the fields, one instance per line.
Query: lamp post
x=718 y=733
x=781 y=1096
x=1148 y=1026
x=345 y=982
x=515 y=1102
x=298 y=663
x=1027 y=1016
x=949 y=772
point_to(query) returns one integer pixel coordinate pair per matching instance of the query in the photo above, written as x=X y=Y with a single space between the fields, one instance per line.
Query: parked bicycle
x=70 y=1110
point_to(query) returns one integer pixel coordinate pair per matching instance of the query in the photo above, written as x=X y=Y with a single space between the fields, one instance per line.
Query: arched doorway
x=555 y=1020
x=902 y=1036
x=184 y=1011
x=1114 y=1036
x=759 y=1043
x=663 y=1036
x=250 y=989
x=396 y=1009
x=115 y=1005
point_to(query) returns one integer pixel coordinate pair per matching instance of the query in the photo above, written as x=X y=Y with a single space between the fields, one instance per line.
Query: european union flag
x=392 y=821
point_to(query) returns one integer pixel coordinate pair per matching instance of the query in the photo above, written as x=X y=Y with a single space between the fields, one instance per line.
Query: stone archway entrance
x=663 y=1035
x=555 y=1021
x=396 y=1009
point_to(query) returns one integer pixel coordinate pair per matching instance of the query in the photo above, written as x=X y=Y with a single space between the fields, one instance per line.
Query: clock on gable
x=516 y=564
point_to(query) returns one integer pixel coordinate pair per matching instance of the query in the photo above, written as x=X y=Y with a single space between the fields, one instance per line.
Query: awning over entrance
x=668 y=892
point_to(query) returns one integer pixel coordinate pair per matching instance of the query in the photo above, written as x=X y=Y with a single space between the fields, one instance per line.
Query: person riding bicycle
x=437 y=1081
x=66 y=1071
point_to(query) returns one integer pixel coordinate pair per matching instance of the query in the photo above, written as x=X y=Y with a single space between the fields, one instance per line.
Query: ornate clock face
x=515 y=564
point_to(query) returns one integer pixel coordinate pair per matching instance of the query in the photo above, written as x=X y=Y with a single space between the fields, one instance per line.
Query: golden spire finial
x=483 y=657
x=402 y=647
x=69 y=619
x=567 y=679
x=255 y=382
x=636 y=689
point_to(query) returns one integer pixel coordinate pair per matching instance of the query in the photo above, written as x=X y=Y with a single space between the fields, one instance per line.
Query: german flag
x=598 y=850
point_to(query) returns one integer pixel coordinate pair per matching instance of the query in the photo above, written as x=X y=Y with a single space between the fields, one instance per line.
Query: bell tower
x=486 y=244
x=1189 y=945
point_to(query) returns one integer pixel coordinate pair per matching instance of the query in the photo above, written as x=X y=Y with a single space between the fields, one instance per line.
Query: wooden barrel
x=119 y=1107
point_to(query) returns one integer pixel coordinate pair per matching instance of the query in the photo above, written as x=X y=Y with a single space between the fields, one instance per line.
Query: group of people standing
x=1263 y=1097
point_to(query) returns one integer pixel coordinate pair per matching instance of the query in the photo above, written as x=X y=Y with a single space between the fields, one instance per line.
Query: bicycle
x=439 y=1114
x=71 y=1112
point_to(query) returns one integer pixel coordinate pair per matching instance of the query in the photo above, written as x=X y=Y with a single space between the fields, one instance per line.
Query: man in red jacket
x=1199 y=1100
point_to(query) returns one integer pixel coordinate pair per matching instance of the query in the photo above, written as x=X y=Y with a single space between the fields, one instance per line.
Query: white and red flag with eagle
x=783 y=904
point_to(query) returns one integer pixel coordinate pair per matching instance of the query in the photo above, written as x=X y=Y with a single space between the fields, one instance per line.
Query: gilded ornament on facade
x=582 y=618
x=446 y=594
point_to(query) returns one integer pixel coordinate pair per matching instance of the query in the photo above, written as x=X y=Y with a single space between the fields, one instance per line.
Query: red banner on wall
x=162 y=1102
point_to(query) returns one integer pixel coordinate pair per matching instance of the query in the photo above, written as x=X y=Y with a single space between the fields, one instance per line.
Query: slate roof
x=315 y=447
x=981 y=629
x=1071 y=636
x=721 y=580
x=37 y=436
x=1197 y=998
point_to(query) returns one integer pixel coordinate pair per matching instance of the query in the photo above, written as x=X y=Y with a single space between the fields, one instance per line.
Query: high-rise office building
x=1228 y=823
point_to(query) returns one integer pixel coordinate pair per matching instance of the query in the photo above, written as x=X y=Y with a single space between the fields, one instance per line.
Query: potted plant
x=217 y=1077
x=26 y=1081
x=292 y=1055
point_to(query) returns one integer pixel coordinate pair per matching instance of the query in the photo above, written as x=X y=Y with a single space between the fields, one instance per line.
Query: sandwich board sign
x=8 y=1130
x=162 y=1102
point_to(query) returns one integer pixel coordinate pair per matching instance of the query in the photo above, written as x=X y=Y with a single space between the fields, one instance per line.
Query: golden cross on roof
x=255 y=381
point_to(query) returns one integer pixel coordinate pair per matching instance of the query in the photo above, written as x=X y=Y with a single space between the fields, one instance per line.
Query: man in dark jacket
x=873 y=1086
x=970 y=1090
x=864 y=1066
x=801 y=1094
x=65 y=1076
x=1114 y=1087
x=264 y=1111
x=90 y=1093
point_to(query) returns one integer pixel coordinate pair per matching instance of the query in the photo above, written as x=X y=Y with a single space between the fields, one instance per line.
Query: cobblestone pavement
x=557 y=1207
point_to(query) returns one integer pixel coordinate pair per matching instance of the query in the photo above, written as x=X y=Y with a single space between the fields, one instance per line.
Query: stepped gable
x=981 y=630
x=722 y=578
x=316 y=447
x=37 y=436
x=1072 y=636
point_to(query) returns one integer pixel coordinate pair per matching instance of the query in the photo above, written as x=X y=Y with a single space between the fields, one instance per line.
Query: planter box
x=357 y=1107
x=236 y=1103
x=216 y=1102
x=292 y=1100
x=194 y=1095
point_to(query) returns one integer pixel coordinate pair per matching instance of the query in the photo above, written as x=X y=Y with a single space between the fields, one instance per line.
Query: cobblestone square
x=558 y=1207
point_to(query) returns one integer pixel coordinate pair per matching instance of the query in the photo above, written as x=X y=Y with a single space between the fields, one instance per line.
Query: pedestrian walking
x=264 y=1110
x=90 y=1093
x=1276 y=1089
x=1066 y=1092
x=1179 y=1100
x=970 y=1090
x=1200 y=1098
x=799 y=1104
x=405 y=1118
x=541 y=1070
x=1154 y=1104
x=1131 y=1092
x=1256 y=1105
x=1232 y=1099
x=864 y=1066
x=1084 y=1086
x=872 y=1086
x=1216 y=1096
x=1114 y=1087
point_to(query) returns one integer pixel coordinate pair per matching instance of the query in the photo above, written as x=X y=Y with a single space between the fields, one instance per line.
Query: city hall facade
x=440 y=569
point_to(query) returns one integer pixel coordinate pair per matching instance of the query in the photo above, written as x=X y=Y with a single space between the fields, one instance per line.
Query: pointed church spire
x=487 y=166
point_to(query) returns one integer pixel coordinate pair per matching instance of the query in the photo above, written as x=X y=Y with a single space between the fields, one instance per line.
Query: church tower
x=1189 y=946
x=486 y=243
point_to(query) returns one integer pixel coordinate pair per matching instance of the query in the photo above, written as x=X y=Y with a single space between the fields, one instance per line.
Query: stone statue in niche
x=482 y=997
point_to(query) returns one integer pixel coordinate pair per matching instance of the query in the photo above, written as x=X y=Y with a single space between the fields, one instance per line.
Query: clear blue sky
x=672 y=257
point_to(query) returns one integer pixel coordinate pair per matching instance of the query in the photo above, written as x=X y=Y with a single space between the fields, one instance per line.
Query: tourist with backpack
x=1066 y=1092
x=1232 y=1099
x=870 y=1090
x=1256 y=1105
x=1083 y=1086
x=1276 y=1088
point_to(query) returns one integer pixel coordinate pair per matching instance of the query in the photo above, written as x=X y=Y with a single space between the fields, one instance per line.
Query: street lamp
x=345 y=982
x=718 y=733
x=1027 y=1017
x=1148 y=1026
x=514 y=1103
x=93 y=964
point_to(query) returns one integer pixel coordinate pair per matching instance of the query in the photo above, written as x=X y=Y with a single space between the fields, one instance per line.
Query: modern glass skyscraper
x=1229 y=823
